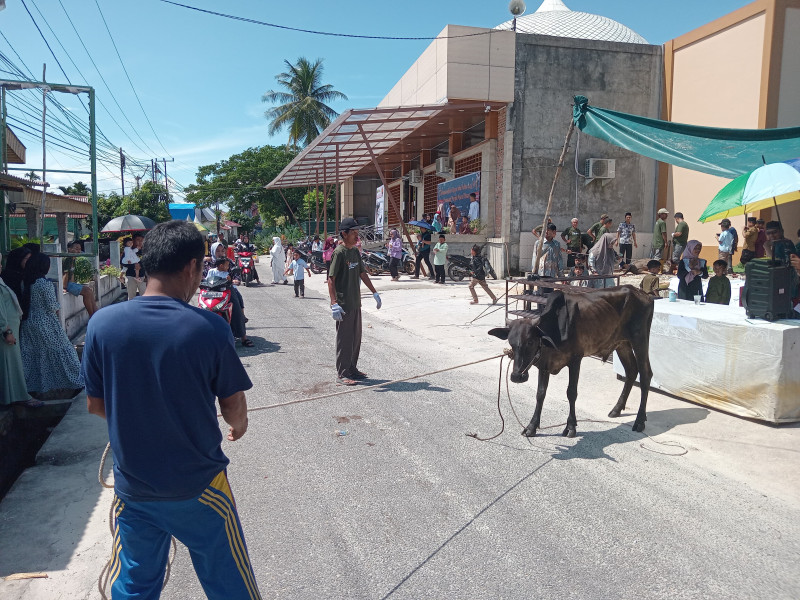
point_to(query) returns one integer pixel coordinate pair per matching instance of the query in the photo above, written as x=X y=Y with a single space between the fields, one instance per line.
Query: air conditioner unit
x=415 y=177
x=444 y=167
x=600 y=168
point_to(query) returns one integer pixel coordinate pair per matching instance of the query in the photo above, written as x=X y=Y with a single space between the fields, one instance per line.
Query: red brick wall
x=431 y=181
x=465 y=166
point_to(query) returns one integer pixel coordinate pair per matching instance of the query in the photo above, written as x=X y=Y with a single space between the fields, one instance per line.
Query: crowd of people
x=601 y=250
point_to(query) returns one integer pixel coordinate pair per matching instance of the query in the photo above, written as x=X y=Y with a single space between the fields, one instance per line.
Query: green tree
x=302 y=107
x=148 y=201
x=309 y=211
x=107 y=207
x=77 y=189
x=31 y=176
x=238 y=184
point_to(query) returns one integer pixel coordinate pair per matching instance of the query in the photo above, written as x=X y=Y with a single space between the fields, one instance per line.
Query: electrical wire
x=326 y=33
x=125 y=70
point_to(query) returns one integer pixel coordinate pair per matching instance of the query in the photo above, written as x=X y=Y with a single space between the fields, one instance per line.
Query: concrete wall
x=75 y=315
x=788 y=104
x=716 y=82
x=479 y=67
x=549 y=72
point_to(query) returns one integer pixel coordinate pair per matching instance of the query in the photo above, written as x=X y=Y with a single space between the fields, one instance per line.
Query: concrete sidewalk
x=55 y=518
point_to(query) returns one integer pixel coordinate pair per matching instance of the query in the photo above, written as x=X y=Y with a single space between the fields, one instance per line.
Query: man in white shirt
x=474 y=207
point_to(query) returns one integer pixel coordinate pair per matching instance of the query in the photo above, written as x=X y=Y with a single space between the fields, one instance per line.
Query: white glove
x=337 y=313
x=377 y=299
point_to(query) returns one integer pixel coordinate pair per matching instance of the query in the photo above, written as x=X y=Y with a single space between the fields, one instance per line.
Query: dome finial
x=552 y=5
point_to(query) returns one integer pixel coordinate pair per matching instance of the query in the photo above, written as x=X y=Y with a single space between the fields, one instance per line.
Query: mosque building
x=491 y=107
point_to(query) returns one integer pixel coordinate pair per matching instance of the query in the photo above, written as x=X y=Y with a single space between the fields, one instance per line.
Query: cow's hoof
x=638 y=426
x=614 y=413
x=529 y=432
x=569 y=432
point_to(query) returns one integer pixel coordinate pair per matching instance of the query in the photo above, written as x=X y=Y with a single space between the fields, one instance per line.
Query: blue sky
x=200 y=78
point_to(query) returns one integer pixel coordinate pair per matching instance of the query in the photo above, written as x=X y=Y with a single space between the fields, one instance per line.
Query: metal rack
x=533 y=301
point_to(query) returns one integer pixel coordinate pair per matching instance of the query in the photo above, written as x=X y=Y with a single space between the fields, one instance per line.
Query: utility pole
x=122 y=170
x=166 y=181
x=153 y=169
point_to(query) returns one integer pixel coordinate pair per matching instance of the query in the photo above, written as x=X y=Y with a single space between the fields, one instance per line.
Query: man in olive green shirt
x=679 y=238
x=595 y=230
x=344 y=287
x=659 y=236
x=572 y=237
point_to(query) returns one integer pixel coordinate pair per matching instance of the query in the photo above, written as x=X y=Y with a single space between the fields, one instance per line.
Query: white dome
x=554 y=18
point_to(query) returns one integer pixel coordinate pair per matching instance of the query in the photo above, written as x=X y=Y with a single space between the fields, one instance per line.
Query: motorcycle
x=408 y=262
x=460 y=267
x=245 y=262
x=313 y=259
x=375 y=262
x=215 y=295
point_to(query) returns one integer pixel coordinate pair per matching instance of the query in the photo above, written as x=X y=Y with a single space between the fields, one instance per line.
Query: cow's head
x=526 y=340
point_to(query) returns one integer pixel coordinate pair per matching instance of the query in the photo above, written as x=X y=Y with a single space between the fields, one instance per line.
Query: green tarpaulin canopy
x=722 y=152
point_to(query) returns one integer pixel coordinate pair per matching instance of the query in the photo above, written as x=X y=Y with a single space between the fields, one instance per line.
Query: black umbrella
x=128 y=223
x=423 y=224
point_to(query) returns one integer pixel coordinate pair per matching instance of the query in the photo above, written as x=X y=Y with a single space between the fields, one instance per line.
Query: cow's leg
x=544 y=379
x=642 y=352
x=572 y=395
x=628 y=360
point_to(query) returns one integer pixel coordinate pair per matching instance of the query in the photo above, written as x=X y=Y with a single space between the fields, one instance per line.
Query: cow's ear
x=500 y=332
x=546 y=339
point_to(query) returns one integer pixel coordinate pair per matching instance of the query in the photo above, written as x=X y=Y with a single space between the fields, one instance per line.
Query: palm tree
x=302 y=106
x=31 y=176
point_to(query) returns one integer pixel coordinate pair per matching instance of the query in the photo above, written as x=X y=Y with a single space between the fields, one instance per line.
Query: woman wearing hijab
x=48 y=357
x=238 y=318
x=602 y=259
x=691 y=271
x=395 y=246
x=278 y=262
x=13 y=272
x=12 y=375
x=437 y=223
x=327 y=253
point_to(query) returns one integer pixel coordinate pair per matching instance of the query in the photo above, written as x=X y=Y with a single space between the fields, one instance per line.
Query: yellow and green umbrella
x=767 y=186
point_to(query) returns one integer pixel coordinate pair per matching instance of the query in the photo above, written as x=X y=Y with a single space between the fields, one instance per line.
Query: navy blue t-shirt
x=159 y=364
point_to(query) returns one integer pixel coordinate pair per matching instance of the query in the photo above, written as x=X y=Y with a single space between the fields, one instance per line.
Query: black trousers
x=237 y=314
x=426 y=256
x=439 y=273
x=348 y=343
x=300 y=285
x=626 y=251
x=394 y=263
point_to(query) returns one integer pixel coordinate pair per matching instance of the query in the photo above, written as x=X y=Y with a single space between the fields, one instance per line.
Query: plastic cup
x=697 y=299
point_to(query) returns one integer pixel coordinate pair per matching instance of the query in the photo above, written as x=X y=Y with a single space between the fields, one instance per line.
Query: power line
x=327 y=33
x=128 y=76
x=125 y=116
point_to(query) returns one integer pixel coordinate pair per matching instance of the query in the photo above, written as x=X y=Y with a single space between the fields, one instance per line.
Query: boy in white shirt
x=297 y=265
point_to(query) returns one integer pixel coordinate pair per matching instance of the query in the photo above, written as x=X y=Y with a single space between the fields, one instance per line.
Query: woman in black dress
x=691 y=271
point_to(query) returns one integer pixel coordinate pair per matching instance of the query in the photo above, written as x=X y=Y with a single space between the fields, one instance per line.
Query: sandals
x=474 y=302
x=345 y=381
x=248 y=343
x=359 y=375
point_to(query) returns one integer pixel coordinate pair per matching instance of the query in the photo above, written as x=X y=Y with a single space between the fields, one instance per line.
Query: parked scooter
x=215 y=295
x=408 y=262
x=375 y=262
x=460 y=267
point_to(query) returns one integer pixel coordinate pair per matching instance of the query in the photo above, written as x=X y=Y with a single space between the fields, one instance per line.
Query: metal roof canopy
x=347 y=146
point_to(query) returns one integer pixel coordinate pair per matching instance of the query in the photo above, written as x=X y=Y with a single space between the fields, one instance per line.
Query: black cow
x=587 y=323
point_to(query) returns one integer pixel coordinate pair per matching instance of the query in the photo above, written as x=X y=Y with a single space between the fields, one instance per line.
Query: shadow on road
x=405 y=386
x=260 y=346
x=593 y=444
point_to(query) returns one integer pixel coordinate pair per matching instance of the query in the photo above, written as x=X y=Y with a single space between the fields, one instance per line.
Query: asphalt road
x=380 y=494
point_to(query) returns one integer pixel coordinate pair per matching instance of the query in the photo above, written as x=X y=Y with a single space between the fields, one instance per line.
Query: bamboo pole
x=540 y=243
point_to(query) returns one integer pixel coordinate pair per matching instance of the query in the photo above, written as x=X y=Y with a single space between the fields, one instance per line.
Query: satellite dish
x=516 y=7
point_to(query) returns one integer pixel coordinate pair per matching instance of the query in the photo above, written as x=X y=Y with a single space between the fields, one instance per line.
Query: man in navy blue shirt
x=169 y=469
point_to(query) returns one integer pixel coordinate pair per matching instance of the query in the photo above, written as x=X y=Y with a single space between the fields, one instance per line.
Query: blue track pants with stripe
x=207 y=525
